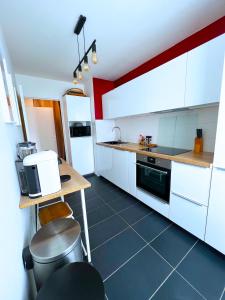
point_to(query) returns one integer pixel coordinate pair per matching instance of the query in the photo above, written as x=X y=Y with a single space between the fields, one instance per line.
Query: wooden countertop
x=204 y=159
x=76 y=183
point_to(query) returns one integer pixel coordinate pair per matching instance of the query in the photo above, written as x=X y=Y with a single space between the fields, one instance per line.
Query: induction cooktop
x=166 y=150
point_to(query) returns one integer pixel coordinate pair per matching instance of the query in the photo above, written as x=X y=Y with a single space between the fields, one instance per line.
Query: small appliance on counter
x=23 y=149
x=42 y=173
x=198 y=146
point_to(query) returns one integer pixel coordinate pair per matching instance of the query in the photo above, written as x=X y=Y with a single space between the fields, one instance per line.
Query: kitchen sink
x=115 y=143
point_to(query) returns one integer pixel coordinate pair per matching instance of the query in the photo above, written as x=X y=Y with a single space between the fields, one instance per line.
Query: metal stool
x=78 y=281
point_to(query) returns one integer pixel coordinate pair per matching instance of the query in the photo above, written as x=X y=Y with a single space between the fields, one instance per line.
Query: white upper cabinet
x=204 y=72
x=160 y=89
x=78 y=108
x=166 y=86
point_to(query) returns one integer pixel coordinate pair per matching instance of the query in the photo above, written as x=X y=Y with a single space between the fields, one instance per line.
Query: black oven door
x=154 y=179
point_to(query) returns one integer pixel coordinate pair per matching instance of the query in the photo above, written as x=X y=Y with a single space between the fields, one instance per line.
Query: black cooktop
x=166 y=150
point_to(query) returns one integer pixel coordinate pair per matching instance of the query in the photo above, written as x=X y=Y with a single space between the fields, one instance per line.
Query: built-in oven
x=153 y=175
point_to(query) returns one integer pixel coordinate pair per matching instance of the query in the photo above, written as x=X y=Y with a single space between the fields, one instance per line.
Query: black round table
x=75 y=281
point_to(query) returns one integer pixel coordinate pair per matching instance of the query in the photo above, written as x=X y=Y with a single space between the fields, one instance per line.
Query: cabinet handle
x=185 y=198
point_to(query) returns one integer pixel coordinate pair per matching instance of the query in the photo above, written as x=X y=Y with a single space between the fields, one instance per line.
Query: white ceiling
x=40 y=38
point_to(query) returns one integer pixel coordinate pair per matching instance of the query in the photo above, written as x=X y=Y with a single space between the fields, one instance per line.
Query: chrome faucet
x=117 y=127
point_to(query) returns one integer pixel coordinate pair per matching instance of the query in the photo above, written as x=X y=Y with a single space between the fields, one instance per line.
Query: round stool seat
x=75 y=281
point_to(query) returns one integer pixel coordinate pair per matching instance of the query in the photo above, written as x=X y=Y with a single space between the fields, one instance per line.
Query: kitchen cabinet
x=166 y=85
x=215 y=229
x=160 y=89
x=204 y=72
x=219 y=157
x=190 y=188
x=191 y=181
x=82 y=154
x=189 y=215
x=104 y=162
x=132 y=173
x=120 y=169
x=78 y=108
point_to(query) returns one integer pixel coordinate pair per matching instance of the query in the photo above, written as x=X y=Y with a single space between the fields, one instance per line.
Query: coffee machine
x=23 y=149
x=42 y=173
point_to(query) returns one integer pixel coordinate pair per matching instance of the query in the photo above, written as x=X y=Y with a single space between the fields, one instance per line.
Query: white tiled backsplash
x=174 y=129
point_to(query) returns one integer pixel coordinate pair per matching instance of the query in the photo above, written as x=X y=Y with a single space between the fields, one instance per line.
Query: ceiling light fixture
x=77 y=74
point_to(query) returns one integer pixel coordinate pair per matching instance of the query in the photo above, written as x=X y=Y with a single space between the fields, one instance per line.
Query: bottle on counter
x=198 y=146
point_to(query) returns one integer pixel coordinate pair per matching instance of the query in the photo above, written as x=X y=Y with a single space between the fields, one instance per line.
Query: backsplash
x=173 y=129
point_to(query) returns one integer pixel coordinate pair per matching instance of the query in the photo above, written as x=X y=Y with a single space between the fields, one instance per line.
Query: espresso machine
x=23 y=149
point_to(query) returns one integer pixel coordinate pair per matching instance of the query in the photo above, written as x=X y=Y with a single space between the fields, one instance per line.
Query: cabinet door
x=215 y=229
x=78 y=108
x=120 y=169
x=82 y=155
x=191 y=181
x=132 y=173
x=160 y=89
x=189 y=215
x=104 y=162
x=219 y=157
x=204 y=72
x=166 y=85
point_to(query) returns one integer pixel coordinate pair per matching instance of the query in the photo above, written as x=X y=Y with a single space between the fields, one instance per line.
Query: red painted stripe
x=101 y=87
x=204 y=35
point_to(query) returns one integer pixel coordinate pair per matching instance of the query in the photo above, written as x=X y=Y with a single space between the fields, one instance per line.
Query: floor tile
x=106 y=230
x=151 y=226
x=135 y=213
x=96 y=216
x=223 y=295
x=176 y=288
x=109 y=195
x=204 y=268
x=108 y=257
x=91 y=204
x=139 y=278
x=122 y=203
x=177 y=241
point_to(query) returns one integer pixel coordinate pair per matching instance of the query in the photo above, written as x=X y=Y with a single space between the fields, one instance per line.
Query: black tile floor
x=142 y=255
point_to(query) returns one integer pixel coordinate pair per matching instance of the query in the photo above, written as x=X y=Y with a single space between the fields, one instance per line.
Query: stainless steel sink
x=115 y=143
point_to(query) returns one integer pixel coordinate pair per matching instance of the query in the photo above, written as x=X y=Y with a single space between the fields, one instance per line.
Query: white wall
x=205 y=118
x=42 y=127
x=15 y=223
x=43 y=88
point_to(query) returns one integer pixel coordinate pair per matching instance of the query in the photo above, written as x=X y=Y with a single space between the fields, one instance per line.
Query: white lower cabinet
x=103 y=162
x=215 y=229
x=118 y=167
x=188 y=214
x=132 y=173
x=190 y=187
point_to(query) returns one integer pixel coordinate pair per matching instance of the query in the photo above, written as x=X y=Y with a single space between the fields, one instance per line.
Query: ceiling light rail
x=83 y=63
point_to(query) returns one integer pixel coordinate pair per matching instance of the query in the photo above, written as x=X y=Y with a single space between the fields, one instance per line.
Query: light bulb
x=80 y=75
x=86 y=66
x=94 y=57
x=75 y=79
